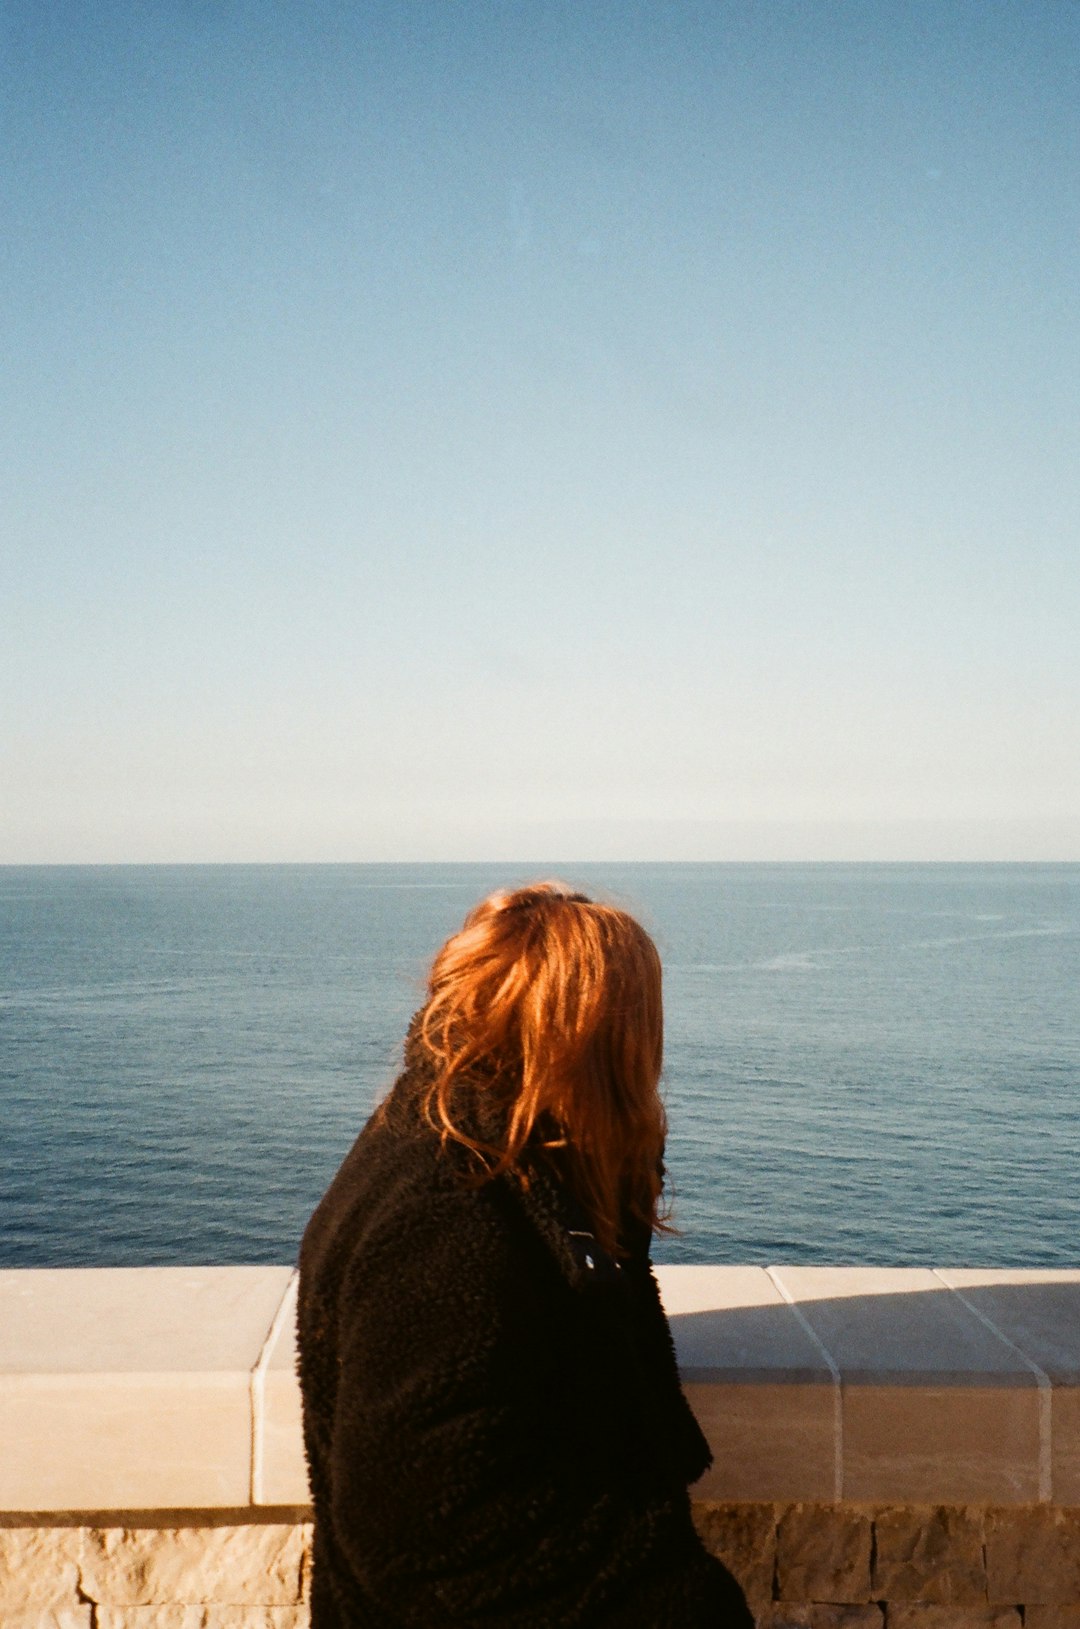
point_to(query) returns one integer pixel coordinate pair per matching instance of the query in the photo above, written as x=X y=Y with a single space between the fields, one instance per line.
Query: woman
x=492 y=1415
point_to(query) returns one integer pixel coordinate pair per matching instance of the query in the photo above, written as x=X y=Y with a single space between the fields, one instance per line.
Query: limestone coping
x=175 y=1388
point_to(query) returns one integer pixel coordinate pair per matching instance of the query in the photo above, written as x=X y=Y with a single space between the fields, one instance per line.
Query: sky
x=559 y=430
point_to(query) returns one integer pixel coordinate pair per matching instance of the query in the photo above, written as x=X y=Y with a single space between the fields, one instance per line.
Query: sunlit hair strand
x=548 y=1005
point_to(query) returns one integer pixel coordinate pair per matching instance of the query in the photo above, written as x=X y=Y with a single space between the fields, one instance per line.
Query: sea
x=863 y=1063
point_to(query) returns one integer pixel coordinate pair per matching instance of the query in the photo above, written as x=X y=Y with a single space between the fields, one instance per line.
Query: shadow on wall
x=902 y=1383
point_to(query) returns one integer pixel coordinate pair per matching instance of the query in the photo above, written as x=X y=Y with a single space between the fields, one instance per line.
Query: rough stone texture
x=203 y=1617
x=1033 y=1555
x=744 y=1538
x=926 y=1570
x=142 y=1566
x=910 y=1616
x=69 y=1617
x=823 y=1554
x=39 y=1571
x=816 y=1615
x=929 y=1554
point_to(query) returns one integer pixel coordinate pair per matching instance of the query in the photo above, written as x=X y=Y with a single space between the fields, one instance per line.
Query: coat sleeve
x=458 y=1496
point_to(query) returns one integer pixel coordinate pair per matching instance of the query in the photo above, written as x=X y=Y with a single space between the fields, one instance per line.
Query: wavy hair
x=545 y=1014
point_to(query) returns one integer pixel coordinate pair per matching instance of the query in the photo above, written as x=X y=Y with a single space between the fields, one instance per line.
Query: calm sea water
x=864 y=1063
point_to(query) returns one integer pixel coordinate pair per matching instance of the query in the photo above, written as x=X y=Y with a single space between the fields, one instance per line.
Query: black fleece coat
x=493 y=1422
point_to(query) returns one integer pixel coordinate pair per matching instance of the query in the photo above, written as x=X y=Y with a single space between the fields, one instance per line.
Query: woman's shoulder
x=402 y=1189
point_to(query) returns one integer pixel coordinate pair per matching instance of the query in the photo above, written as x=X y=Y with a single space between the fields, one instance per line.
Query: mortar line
x=838 y=1402
x=258 y=1388
x=1042 y=1381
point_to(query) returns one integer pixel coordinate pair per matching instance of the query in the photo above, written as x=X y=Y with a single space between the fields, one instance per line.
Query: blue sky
x=540 y=431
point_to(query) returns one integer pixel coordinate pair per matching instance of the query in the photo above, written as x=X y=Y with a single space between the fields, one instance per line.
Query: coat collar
x=565 y=1227
x=547 y=1203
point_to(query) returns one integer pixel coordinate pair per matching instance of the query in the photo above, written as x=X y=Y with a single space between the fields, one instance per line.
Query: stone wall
x=803 y=1566
x=893 y=1448
x=184 y=1570
x=844 y=1566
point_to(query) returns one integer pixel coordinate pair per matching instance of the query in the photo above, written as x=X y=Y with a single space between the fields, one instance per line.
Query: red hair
x=548 y=1007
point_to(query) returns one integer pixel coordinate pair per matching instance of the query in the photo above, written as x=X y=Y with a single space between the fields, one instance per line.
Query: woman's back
x=493 y=1420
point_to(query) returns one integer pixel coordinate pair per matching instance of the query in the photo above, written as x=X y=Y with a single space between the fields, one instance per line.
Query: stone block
x=732 y=1321
x=744 y=1539
x=929 y=1554
x=170 y=1320
x=951 y=1444
x=1065 y=1444
x=763 y=1394
x=936 y=1406
x=819 y=1615
x=907 y=1615
x=130 y=1388
x=823 y=1554
x=1052 y=1617
x=124 y=1441
x=769 y=1442
x=62 y=1617
x=307 y=1533
x=1033 y=1556
x=1038 y=1309
x=203 y=1617
x=280 y=1476
x=881 y=1323
x=260 y=1564
x=39 y=1571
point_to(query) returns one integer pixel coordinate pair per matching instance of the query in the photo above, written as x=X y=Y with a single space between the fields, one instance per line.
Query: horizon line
x=785 y=860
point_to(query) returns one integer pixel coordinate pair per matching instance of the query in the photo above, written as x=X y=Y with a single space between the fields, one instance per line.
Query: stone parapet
x=148 y=1388
x=802 y=1566
x=893 y=1447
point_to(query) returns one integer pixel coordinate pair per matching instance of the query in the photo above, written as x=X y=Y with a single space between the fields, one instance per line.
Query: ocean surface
x=864 y=1063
